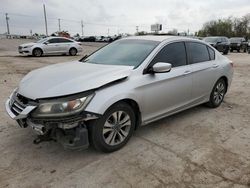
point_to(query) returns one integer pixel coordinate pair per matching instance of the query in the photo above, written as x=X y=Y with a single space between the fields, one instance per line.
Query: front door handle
x=215 y=65
x=187 y=72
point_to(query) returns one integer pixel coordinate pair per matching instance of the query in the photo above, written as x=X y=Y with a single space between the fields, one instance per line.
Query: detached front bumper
x=17 y=111
x=71 y=132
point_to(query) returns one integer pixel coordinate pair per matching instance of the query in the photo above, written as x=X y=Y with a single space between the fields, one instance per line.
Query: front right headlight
x=62 y=108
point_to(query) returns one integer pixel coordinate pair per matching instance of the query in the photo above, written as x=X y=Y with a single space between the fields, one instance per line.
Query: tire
x=107 y=134
x=231 y=50
x=37 y=52
x=225 y=52
x=72 y=51
x=238 y=51
x=217 y=94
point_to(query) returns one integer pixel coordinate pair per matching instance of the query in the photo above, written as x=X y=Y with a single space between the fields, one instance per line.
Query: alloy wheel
x=219 y=93
x=37 y=52
x=116 y=128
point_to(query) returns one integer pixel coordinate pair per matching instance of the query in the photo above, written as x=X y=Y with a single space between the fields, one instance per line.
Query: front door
x=164 y=93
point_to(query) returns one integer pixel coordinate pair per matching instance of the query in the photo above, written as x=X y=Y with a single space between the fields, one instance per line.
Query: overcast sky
x=101 y=17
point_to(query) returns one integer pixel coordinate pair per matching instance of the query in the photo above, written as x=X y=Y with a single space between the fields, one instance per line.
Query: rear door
x=204 y=69
x=64 y=44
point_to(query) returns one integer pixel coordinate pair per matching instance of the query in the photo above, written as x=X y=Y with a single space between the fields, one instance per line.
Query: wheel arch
x=132 y=103
x=226 y=81
x=73 y=47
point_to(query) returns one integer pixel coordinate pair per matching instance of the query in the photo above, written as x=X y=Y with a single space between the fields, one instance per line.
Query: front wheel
x=37 y=52
x=217 y=94
x=113 y=130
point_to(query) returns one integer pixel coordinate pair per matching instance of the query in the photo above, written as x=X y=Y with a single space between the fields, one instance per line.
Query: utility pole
x=137 y=29
x=59 y=24
x=7 y=23
x=82 y=26
x=45 y=19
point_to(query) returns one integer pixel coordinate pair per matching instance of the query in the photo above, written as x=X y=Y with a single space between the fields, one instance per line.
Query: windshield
x=211 y=39
x=41 y=40
x=236 y=40
x=128 y=52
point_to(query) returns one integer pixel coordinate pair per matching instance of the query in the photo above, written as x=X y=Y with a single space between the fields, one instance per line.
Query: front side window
x=174 y=54
x=197 y=52
x=55 y=40
x=130 y=52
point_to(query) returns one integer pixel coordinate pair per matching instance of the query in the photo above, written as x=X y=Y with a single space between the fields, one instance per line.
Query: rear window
x=236 y=40
x=197 y=52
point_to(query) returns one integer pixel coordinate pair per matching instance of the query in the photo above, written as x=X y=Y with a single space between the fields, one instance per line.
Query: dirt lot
x=200 y=147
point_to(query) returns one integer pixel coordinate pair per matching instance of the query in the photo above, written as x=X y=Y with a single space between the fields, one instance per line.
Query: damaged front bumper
x=69 y=131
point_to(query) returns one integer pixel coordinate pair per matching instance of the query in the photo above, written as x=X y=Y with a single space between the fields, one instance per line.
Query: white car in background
x=51 y=45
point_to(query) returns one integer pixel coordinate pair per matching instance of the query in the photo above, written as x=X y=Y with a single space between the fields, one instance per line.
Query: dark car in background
x=87 y=39
x=222 y=44
x=248 y=46
x=238 y=43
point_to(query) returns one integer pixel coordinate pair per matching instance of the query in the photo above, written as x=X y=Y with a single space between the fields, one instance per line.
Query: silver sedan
x=129 y=83
x=51 y=46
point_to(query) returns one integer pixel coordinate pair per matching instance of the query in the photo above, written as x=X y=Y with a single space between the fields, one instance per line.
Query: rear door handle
x=187 y=72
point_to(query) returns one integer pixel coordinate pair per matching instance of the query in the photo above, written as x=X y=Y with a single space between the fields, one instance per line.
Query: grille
x=18 y=103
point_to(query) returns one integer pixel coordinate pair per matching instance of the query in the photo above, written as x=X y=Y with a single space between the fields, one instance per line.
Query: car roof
x=160 y=38
x=58 y=37
x=216 y=37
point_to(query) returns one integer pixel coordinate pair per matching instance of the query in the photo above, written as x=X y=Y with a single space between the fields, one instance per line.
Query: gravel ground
x=199 y=147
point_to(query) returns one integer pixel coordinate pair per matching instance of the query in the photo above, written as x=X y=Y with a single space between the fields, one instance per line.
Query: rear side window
x=197 y=52
x=174 y=53
x=64 y=40
x=211 y=53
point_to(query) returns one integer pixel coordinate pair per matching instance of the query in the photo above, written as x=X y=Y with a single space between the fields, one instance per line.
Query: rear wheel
x=72 y=51
x=37 y=52
x=217 y=94
x=113 y=130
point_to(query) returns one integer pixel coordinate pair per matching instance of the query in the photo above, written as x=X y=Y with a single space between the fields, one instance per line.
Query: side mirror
x=46 y=43
x=160 y=67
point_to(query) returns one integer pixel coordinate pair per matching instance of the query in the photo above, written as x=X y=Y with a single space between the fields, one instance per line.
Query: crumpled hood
x=69 y=78
x=28 y=44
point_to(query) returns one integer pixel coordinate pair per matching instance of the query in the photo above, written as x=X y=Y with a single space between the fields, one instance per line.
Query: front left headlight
x=62 y=108
x=28 y=46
